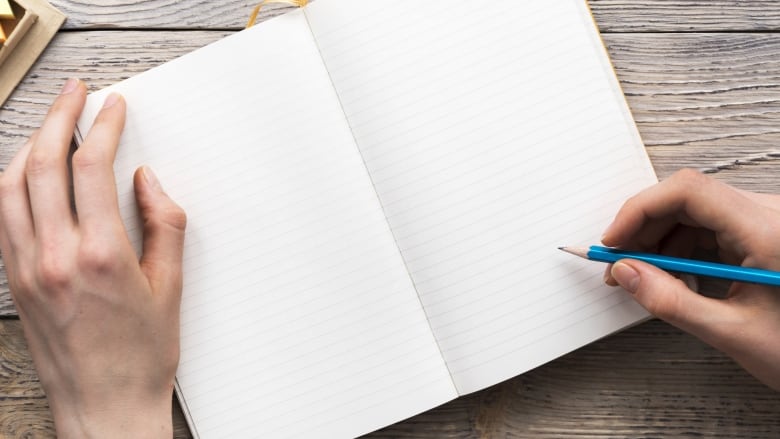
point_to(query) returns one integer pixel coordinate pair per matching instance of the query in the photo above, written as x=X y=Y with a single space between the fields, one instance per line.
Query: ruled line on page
x=485 y=148
x=282 y=224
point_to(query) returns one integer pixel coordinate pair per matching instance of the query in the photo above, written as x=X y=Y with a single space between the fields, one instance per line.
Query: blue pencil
x=680 y=265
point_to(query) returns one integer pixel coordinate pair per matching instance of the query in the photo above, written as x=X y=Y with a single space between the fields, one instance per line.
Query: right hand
x=689 y=210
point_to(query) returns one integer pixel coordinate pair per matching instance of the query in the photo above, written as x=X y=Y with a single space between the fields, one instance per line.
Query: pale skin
x=689 y=210
x=102 y=326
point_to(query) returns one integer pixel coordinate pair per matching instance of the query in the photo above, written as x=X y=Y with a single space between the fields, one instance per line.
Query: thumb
x=669 y=299
x=164 y=223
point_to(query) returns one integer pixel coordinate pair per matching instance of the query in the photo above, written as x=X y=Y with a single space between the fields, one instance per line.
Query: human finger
x=669 y=299
x=46 y=165
x=608 y=279
x=16 y=231
x=94 y=186
x=687 y=198
x=770 y=201
x=680 y=241
x=164 y=223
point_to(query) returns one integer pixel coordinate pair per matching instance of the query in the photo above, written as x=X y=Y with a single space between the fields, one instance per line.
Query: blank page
x=493 y=133
x=298 y=317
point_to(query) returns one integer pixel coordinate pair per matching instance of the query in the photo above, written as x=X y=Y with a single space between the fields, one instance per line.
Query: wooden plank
x=24 y=411
x=23 y=408
x=101 y=59
x=702 y=100
x=709 y=101
x=685 y=15
x=611 y=15
x=650 y=380
x=163 y=14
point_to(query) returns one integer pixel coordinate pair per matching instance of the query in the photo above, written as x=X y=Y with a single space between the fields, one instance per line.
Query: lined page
x=493 y=133
x=298 y=316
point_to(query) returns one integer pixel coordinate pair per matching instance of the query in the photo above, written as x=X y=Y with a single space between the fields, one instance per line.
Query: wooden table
x=703 y=81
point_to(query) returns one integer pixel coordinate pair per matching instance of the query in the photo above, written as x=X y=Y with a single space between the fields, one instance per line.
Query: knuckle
x=657 y=308
x=84 y=159
x=172 y=216
x=22 y=282
x=688 y=173
x=39 y=162
x=54 y=272
x=176 y=217
x=98 y=256
x=689 y=178
x=666 y=305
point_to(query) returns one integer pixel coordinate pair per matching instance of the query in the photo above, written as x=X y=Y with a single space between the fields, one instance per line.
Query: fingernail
x=608 y=276
x=151 y=179
x=112 y=99
x=69 y=86
x=626 y=276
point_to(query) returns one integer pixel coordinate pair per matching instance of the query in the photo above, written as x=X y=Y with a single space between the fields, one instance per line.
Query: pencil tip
x=577 y=251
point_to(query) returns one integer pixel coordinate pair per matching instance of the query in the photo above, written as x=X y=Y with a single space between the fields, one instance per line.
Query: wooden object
x=39 y=23
x=649 y=381
x=611 y=15
x=15 y=29
x=701 y=97
x=6 y=12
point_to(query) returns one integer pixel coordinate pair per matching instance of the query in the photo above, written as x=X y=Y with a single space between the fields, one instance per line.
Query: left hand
x=102 y=327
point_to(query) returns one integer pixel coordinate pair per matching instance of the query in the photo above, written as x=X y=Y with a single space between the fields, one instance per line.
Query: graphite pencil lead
x=577 y=251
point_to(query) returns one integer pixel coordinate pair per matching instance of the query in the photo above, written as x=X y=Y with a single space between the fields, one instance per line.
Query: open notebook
x=376 y=191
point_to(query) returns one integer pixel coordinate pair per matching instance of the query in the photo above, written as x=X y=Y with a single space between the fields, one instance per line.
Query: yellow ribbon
x=256 y=10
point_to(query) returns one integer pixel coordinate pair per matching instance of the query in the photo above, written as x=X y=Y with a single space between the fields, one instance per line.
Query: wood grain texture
x=23 y=408
x=648 y=381
x=101 y=59
x=708 y=101
x=611 y=15
x=701 y=100
x=686 y=15
x=704 y=100
x=162 y=14
x=24 y=412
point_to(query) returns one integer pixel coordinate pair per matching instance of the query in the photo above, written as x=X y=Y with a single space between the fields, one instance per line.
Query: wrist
x=151 y=418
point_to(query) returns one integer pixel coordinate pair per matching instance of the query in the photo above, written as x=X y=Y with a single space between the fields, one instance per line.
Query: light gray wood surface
x=703 y=81
x=611 y=15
